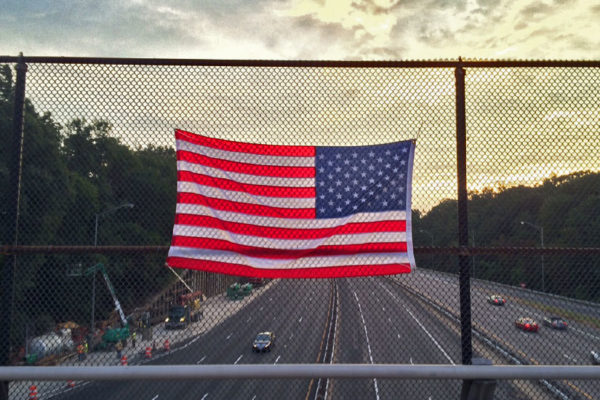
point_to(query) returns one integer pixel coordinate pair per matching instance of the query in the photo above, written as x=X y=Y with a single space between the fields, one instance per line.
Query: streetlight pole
x=473 y=260
x=430 y=234
x=103 y=213
x=540 y=229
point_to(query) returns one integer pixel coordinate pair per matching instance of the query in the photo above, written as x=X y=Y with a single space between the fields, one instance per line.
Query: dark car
x=256 y=281
x=496 y=300
x=595 y=357
x=526 y=324
x=264 y=342
x=555 y=323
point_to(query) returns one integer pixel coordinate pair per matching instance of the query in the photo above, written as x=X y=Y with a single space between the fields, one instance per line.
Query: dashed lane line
x=368 y=343
x=420 y=324
x=239 y=358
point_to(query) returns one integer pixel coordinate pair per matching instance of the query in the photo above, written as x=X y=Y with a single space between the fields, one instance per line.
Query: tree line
x=567 y=208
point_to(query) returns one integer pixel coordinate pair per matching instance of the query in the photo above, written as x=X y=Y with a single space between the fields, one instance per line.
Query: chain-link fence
x=87 y=275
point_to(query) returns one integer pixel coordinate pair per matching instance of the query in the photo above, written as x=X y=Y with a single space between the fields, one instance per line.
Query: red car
x=527 y=324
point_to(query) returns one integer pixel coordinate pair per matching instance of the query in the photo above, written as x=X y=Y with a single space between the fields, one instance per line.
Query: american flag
x=277 y=211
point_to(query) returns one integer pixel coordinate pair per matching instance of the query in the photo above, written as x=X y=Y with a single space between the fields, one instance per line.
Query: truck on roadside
x=186 y=310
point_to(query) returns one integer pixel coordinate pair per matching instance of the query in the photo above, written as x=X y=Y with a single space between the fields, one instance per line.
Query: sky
x=303 y=29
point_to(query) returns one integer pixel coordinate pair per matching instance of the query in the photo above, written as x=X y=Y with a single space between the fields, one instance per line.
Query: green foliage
x=70 y=174
x=567 y=207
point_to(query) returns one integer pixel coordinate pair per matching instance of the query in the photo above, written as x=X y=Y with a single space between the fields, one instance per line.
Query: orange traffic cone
x=167 y=345
x=33 y=394
x=148 y=352
x=124 y=360
x=71 y=383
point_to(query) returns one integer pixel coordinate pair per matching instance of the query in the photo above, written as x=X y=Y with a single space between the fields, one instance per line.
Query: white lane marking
x=585 y=333
x=270 y=299
x=421 y=325
x=570 y=358
x=277 y=359
x=383 y=308
x=239 y=358
x=205 y=396
x=368 y=344
x=229 y=336
x=398 y=336
x=155 y=397
x=200 y=361
x=300 y=320
x=261 y=308
x=249 y=318
x=389 y=319
x=291 y=336
x=411 y=363
x=253 y=397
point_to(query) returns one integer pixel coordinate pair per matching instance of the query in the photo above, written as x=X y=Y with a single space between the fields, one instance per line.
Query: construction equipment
x=188 y=309
x=233 y=291
x=112 y=335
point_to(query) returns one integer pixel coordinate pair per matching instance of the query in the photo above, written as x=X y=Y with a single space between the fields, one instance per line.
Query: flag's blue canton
x=361 y=179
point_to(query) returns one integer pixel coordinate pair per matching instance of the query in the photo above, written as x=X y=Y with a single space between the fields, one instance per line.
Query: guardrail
x=295 y=371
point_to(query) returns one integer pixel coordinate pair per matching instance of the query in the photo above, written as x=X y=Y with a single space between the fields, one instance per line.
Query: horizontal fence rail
x=296 y=371
x=463 y=251
x=307 y=63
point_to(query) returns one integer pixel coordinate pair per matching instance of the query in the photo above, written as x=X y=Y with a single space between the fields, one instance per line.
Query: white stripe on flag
x=285 y=244
x=300 y=223
x=305 y=262
x=244 y=178
x=244 y=197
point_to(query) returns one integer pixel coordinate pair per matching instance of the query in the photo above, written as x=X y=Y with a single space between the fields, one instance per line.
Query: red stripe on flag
x=245 y=208
x=251 y=169
x=289 y=233
x=268 y=150
x=262 y=252
x=272 y=191
x=328 y=272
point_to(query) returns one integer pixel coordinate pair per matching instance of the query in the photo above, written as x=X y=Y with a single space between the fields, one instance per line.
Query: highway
x=295 y=310
x=409 y=319
x=546 y=347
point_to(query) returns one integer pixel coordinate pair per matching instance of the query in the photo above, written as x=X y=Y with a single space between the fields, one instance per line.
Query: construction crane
x=113 y=335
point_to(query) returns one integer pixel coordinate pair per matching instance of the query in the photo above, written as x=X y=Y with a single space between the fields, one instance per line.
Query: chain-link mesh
x=99 y=169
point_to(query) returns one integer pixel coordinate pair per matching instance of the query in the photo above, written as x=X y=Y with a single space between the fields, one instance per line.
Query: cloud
x=292 y=29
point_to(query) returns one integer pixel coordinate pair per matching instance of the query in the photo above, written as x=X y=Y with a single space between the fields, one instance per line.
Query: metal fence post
x=463 y=230
x=15 y=167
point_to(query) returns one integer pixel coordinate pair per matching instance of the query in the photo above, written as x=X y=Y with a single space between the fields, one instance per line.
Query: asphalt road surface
x=297 y=314
x=405 y=319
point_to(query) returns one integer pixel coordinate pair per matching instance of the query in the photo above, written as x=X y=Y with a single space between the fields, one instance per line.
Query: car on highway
x=526 y=324
x=496 y=300
x=595 y=357
x=263 y=342
x=555 y=323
